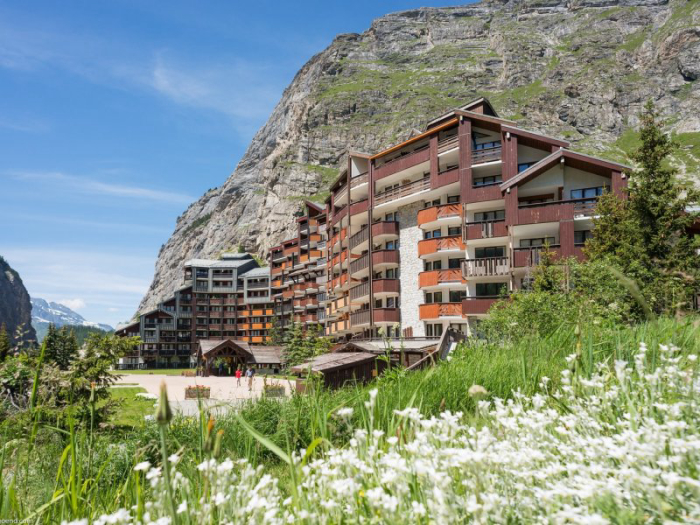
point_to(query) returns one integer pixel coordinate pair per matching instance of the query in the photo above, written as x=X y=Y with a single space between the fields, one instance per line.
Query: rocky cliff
x=579 y=69
x=15 y=307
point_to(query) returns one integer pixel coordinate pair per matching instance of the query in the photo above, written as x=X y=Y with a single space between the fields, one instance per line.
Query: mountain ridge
x=580 y=70
x=48 y=312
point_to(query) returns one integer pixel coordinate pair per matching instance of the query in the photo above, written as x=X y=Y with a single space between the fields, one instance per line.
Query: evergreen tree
x=647 y=234
x=52 y=342
x=5 y=345
x=61 y=346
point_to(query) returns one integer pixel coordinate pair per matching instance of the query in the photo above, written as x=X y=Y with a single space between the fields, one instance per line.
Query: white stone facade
x=410 y=265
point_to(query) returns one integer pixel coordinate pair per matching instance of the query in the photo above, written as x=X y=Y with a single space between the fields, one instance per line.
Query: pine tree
x=5 y=345
x=646 y=235
x=52 y=342
x=67 y=349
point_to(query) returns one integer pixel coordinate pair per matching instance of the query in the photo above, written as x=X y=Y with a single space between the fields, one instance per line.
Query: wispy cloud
x=24 y=125
x=73 y=304
x=96 y=187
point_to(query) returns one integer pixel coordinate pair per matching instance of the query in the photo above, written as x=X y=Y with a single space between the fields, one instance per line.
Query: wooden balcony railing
x=478 y=305
x=485 y=229
x=360 y=179
x=485 y=267
x=437 y=310
x=556 y=211
x=486 y=155
x=435 y=277
x=434 y=213
x=361 y=290
x=523 y=257
x=402 y=191
x=360 y=264
x=359 y=238
x=448 y=144
x=429 y=246
x=405 y=160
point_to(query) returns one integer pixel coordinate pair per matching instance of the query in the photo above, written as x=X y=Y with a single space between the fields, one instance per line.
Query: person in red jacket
x=238 y=376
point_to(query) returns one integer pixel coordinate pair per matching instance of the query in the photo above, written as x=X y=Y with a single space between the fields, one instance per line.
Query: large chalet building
x=417 y=238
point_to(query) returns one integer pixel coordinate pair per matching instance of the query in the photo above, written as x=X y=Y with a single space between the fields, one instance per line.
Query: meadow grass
x=132 y=409
x=155 y=371
x=75 y=473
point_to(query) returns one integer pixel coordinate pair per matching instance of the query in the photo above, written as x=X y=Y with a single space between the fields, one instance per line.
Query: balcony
x=448 y=143
x=481 y=156
x=359 y=180
x=440 y=244
x=381 y=231
x=360 y=292
x=407 y=159
x=380 y=315
x=402 y=191
x=556 y=211
x=448 y=176
x=524 y=257
x=438 y=310
x=437 y=277
x=485 y=229
x=478 y=305
x=359 y=207
x=359 y=265
x=485 y=267
x=380 y=288
x=384 y=259
x=439 y=213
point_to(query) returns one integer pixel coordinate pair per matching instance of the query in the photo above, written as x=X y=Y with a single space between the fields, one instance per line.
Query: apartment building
x=427 y=234
x=298 y=272
x=221 y=299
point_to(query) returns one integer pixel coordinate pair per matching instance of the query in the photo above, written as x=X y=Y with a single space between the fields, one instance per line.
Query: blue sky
x=115 y=116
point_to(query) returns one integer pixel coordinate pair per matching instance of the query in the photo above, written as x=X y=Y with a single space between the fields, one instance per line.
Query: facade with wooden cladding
x=221 y=299
x=427 y=234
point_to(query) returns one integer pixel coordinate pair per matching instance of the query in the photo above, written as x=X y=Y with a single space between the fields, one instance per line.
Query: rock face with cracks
x=577 y=69
x=15 y=305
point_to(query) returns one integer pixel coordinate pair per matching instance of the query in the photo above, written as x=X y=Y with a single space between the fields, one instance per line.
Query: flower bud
x=163 y=413
x=217 y=443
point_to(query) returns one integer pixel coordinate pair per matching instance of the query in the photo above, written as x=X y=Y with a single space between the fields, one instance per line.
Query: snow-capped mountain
x=44 y=312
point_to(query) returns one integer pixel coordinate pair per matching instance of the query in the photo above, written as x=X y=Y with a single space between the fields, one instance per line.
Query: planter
x=274 y=391
x=197 y=392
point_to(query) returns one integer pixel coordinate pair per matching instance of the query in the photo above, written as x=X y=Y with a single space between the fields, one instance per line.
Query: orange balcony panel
x=268 y=311
x=257 y=312
x=438 y=212
x=435 y=277
x=256 y=339
x=429 y=246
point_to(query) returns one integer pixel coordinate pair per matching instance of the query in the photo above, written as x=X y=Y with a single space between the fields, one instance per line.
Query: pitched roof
x=334 y=361
x=601 y=166
x=213 y=263
x=261 y=271
x=261 y=355
x=381 y=346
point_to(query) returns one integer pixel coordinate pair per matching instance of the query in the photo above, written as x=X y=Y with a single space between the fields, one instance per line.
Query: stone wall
x=409 y=268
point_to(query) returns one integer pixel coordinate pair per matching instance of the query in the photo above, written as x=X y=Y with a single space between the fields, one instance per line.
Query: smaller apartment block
x=220 y=299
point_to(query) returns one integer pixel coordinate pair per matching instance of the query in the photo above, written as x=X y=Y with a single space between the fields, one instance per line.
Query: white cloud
x=101 y=280
x=73 y=304
x=95 y=187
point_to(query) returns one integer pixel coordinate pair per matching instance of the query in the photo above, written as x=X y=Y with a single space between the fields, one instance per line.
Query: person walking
x=249 y=374
x=238 y=376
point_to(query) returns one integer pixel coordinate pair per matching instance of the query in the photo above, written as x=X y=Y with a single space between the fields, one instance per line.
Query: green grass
x=198 y=223
x=132 y=409
x=155 y=371
x=303 y=420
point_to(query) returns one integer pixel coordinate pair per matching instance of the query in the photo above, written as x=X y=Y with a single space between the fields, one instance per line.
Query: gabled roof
x=262 y=271
x=535 y=137
x=381 y=346
x=254 y=354
x=334 y=361
x=212 y=263
x=578 y=160
x=469 y=106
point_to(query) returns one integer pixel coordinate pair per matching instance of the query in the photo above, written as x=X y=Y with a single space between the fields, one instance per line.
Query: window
x=454 y=230
x=487 y=145
x=587 y=193
x=495 y=215
x=377 y=303
x=433 y=265
x=392 y=273
x=391 y=245
x=433 y=297
x=524 y=165
x=433 y=330
x=534 y=243
x=489 y=289
x=457 y=296
x=490 y=251
x=391 y=217
x=487 y=181
x=452 y=199
x=392 y=302
x=580 y=237
x=454 y=263
x=433 y=234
